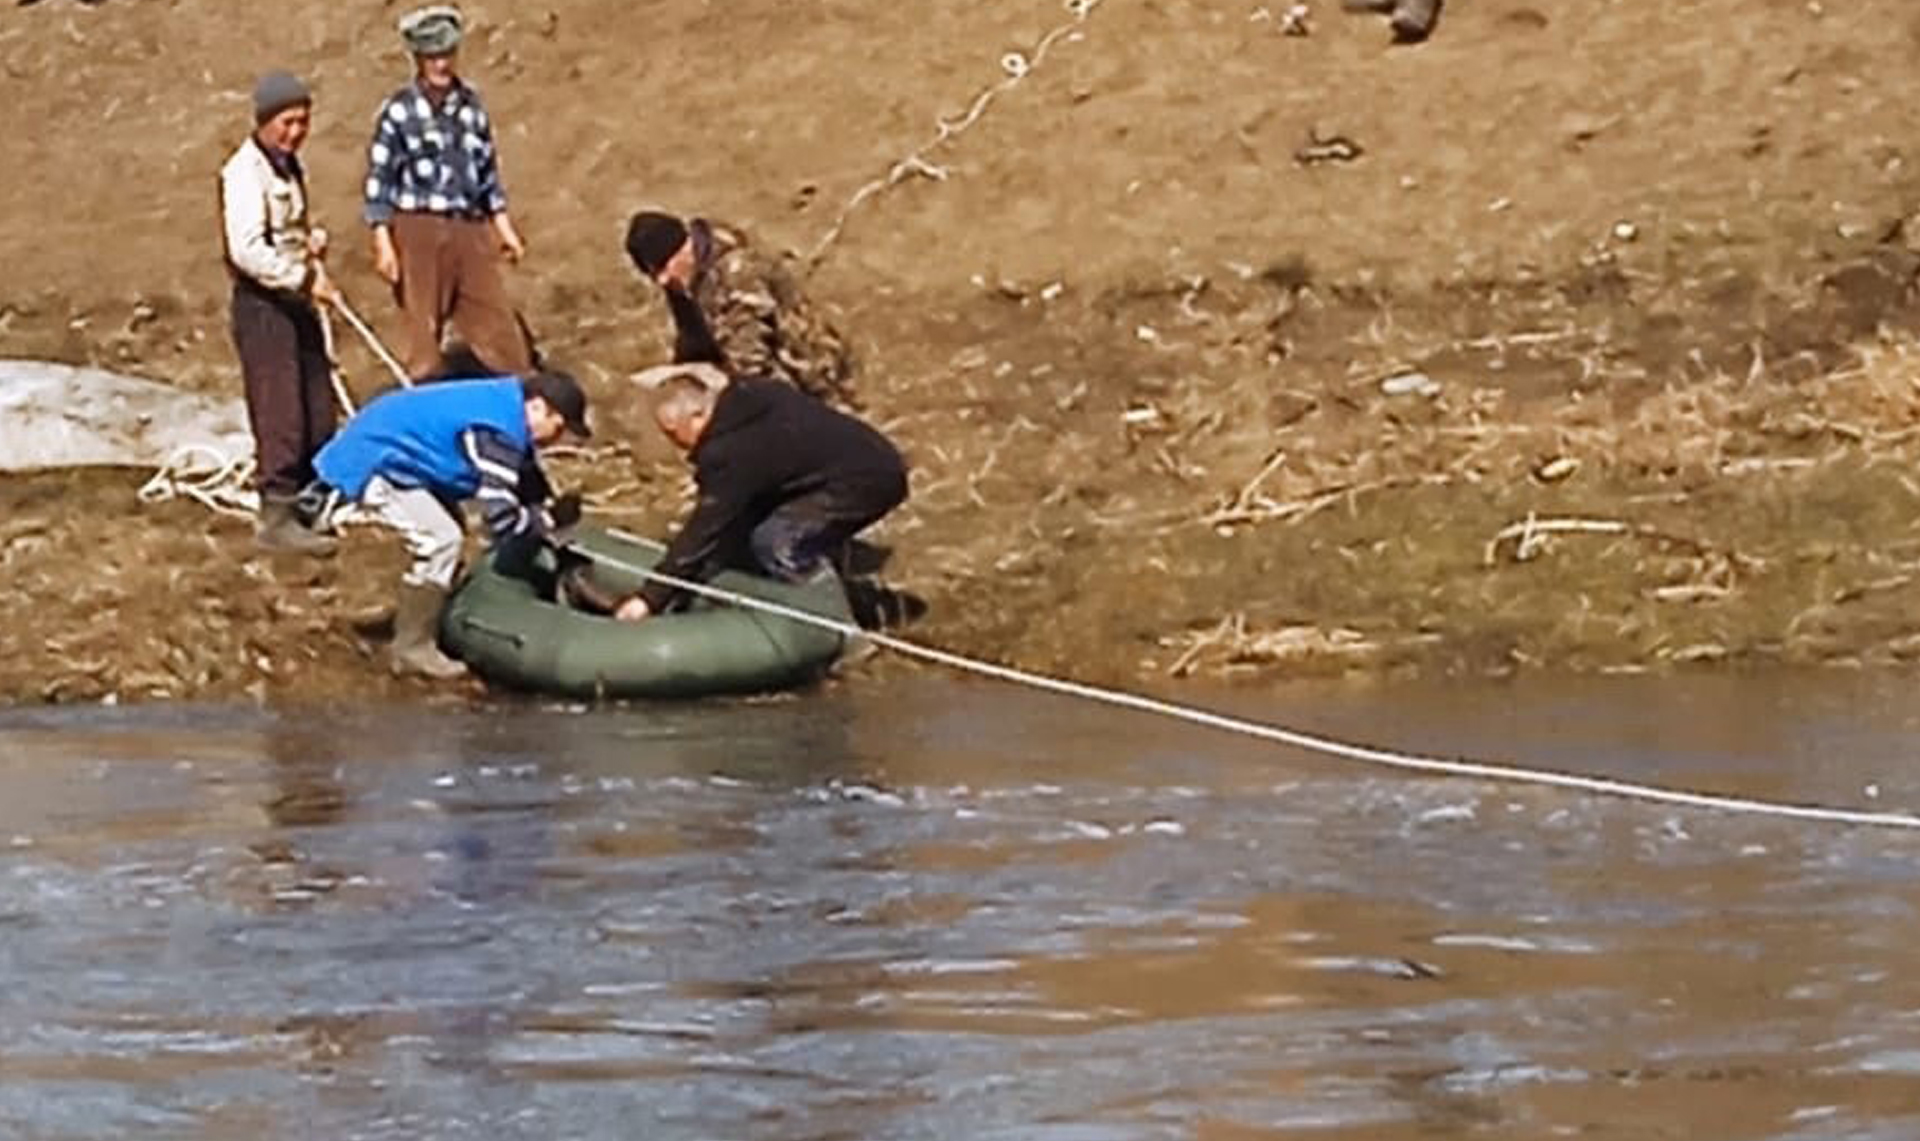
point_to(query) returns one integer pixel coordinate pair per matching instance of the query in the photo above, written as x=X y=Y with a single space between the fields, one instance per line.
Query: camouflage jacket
x=745 y=313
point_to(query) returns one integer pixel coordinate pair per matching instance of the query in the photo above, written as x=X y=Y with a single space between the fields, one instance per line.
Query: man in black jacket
x=784 y=482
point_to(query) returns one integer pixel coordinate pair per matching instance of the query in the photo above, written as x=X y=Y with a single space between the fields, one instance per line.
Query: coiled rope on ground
x=223 y=483
x=219 y=482
x=1327 y=746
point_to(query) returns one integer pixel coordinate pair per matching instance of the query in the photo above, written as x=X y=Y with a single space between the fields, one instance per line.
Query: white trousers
x=432 y=533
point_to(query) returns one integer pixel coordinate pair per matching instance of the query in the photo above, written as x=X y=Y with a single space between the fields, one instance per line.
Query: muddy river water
x=935 y=910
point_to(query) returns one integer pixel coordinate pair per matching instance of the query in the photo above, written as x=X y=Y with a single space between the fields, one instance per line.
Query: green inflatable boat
x=510 y=631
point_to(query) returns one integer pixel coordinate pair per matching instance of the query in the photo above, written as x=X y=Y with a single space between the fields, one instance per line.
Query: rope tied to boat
x=1310 y=742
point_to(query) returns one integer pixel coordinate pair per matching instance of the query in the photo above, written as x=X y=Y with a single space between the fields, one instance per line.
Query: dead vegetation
x=1141 y=483
x=1601 y=362
x=1737 y=518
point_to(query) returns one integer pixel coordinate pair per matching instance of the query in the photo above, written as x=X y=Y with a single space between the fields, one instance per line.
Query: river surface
x=943 y=911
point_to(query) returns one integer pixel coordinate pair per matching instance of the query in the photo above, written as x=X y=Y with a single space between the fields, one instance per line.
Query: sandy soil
x=1651 y=257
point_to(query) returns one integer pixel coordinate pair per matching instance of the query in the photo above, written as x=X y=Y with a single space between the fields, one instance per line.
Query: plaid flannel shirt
x=433 y=160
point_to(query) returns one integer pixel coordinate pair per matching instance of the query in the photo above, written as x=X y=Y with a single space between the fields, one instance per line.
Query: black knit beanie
x=653 y=238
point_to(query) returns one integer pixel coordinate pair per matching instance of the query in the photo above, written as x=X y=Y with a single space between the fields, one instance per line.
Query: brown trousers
x=450 y=272
x=283 y=361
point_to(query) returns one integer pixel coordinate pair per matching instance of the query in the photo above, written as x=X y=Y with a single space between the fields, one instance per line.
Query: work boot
x=416 y=634
x=1412 y=20
x=280 y=529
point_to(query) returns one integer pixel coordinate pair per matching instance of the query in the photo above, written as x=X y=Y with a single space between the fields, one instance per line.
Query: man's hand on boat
x=634 y=609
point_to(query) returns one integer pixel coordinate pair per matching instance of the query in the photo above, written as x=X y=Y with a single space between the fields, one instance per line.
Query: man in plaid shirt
x=438 y=210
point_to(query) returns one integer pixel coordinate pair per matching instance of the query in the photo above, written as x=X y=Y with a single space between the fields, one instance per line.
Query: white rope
x=1409 y=762
x=222 y=483
x=207 y=476
x=1016 y=68
x=341 y=393
x=373 y=341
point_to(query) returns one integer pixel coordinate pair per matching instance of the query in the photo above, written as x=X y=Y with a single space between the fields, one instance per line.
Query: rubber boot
x=280 y=529
x=1412 y=20
x=416 y=631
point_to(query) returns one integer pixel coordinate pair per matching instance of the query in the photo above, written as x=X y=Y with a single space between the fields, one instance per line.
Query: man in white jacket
x=274 y=256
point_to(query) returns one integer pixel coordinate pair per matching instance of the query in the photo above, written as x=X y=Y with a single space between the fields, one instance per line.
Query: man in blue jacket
x=411 y=456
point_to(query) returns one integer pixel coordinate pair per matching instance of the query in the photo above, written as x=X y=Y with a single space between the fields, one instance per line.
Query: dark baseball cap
x=564 y=395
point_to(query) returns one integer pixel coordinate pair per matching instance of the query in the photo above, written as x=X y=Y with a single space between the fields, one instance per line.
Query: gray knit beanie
x=275 y=92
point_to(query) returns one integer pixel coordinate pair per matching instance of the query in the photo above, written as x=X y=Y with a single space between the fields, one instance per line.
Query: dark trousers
x=802 y=536
x=450 y=274
x=283 y=360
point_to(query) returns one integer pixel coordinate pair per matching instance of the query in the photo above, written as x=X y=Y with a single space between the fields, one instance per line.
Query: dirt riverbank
x=1154 y=356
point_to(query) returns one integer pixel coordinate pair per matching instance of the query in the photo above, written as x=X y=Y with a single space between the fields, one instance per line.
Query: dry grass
x=1736 y=518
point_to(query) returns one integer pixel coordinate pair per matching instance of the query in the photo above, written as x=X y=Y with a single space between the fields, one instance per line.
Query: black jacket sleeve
x=512 y=486
x=693 y=339
x=720 y=519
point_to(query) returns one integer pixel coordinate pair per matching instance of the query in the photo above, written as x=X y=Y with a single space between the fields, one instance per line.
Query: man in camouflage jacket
x=737 y=308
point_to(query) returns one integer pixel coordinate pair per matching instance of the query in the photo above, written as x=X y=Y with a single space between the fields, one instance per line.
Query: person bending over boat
x=414 y=454
x=739 y=308
x=785 y=482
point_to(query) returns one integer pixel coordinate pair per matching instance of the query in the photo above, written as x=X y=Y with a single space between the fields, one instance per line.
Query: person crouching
x=414 y=454
x=783 y=480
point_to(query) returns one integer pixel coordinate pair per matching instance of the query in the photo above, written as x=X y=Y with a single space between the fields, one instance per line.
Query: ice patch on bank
x=59 y=416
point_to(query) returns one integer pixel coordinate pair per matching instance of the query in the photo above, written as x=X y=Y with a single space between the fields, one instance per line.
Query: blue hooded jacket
x=420 y=438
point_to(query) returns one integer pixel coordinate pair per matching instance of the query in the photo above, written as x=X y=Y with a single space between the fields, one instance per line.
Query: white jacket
x=265 y=218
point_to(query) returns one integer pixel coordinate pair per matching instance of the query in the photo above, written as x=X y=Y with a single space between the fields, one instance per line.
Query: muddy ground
x=1152 y=337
